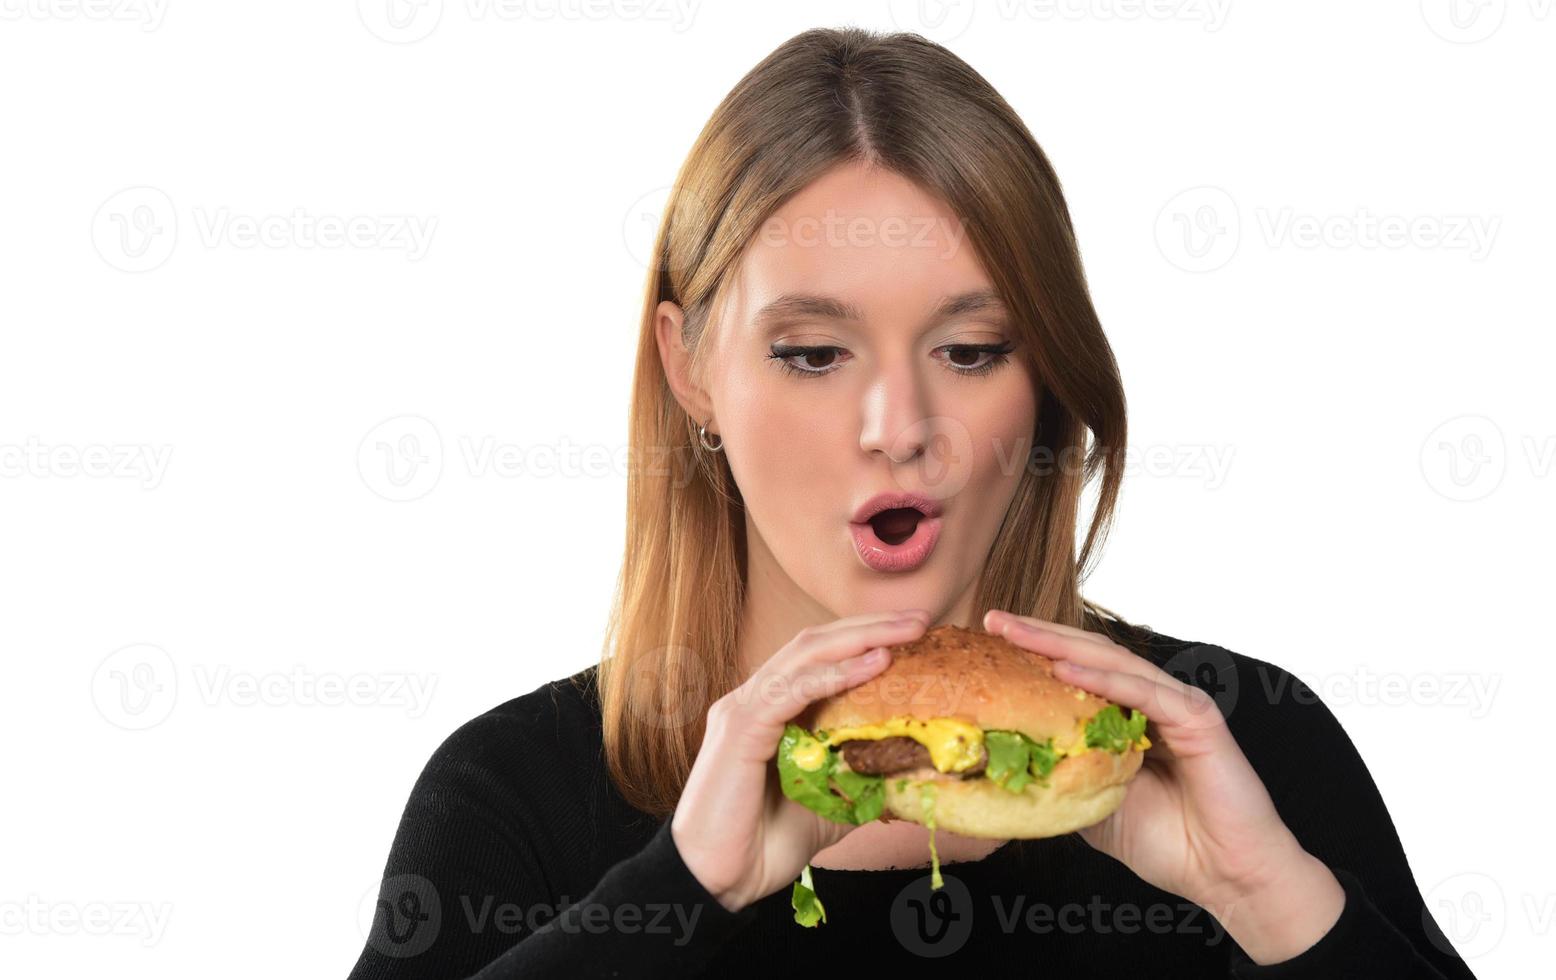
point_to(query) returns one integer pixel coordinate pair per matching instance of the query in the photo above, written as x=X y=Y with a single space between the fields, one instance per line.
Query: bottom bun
x=1082 y=790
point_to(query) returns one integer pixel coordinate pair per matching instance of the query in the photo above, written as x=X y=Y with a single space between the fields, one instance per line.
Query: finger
x=864 y=619
x=995 y=620
x=822 y=664
x=762 y=720
x=1106 y=655
x=834 y=639
x=1180 y=706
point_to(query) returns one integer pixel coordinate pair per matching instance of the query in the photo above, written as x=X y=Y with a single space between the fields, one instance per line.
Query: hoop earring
x=702 y=437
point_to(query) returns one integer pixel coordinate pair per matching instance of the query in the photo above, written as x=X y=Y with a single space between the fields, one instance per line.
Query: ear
x=669 y=320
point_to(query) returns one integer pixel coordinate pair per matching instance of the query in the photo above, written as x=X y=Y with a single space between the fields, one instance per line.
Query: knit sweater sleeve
x=470 y=888
x=1361 y=943
x=1326 y=795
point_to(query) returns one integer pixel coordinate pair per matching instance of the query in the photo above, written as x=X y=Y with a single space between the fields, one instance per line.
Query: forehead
x=875 y=240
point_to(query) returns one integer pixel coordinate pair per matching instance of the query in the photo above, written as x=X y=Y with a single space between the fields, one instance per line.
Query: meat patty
x=883 y=756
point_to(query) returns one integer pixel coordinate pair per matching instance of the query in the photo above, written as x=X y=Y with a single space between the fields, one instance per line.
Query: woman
x=868 y=283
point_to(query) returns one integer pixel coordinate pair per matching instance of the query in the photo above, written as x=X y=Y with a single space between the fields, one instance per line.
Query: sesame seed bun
x=1081 y=791
x=973 y=676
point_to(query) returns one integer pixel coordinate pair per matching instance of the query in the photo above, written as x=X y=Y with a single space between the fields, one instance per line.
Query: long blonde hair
x=824 y=97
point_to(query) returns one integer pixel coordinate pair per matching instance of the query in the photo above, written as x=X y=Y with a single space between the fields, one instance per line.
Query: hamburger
x=967 y=731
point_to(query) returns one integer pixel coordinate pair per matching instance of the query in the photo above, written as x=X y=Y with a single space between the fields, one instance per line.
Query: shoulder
x=1281 y=724
x=1242 y=685
x=551 y=727
x=1323 y=789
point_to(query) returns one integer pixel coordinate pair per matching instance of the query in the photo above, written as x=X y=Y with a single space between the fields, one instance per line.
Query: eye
x=828 y=356
x=782 y=353
x=997 y=353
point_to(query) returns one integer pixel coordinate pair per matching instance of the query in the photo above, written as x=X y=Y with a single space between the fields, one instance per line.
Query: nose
x=894 y=420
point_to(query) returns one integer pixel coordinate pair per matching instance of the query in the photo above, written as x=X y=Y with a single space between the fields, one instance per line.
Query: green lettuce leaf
x=1044 y=758
x=1108 y=729
x=1015 y=759
x=926 y=796
x=808 y=909
x=862 y=799
x=1010 y=759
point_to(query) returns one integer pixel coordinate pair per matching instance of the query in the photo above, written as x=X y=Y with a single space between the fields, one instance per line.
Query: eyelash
x=781 y=353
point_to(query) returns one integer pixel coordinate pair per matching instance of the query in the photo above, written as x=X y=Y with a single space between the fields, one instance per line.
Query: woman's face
x=901 y=397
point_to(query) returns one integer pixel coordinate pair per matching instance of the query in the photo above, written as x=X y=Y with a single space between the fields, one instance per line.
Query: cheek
x=775 y=439
x=1002 y=430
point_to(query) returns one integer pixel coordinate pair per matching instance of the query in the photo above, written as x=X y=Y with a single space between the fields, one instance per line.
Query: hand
x=738 y=834
x=1197 y=820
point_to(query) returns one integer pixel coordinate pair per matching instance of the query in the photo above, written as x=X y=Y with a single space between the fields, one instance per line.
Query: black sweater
x=514 y=819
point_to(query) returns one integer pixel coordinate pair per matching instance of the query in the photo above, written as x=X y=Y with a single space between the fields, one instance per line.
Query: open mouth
x=896 y=525
x=899 y=539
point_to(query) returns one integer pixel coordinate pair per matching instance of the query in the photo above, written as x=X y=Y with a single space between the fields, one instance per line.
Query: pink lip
x=890 y=501
x=904 y=557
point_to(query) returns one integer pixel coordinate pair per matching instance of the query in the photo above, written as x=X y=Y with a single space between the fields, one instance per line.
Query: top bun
x=968 y=674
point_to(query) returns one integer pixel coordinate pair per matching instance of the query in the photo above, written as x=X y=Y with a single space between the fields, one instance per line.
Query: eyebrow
x=801 y=306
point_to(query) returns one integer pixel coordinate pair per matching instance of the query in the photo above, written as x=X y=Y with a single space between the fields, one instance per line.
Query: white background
x=1344 y=439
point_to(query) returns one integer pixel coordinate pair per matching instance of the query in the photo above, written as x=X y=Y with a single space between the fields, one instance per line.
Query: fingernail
x=1073 y=668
